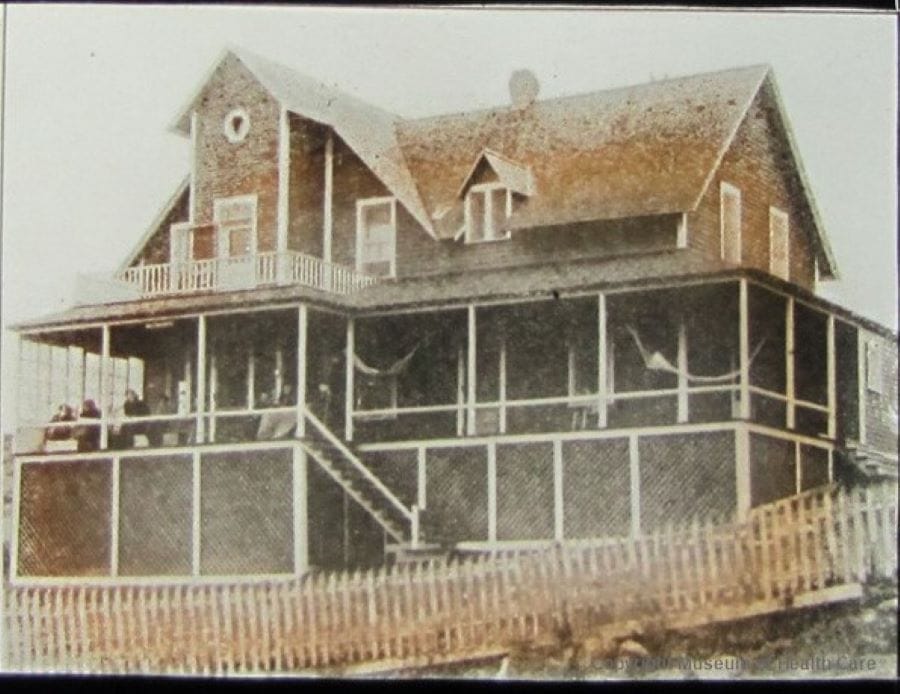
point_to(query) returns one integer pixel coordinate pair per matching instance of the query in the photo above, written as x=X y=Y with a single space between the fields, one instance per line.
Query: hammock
x=392 y=370
x=658 y=362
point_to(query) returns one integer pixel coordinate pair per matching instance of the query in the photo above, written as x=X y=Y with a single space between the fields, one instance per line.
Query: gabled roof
x=368 y=130
x=510 y=174
x=646 y=149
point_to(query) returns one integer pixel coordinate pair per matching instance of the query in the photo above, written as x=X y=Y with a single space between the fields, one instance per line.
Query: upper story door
x=235 y=219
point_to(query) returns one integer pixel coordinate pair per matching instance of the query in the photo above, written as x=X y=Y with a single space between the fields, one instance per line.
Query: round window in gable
x=237 y=125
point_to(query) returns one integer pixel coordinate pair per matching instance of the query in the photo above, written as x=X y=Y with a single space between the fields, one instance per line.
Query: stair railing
x=360 y=466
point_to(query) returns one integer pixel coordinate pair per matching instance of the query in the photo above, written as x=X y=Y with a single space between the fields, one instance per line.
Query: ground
x=856 y=639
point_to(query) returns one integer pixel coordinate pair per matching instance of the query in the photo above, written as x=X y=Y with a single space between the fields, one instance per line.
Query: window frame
x=776 y=213
x=874 y=368
x=487 y=190
x=223 y=239
x=725 y=190
x=361 y=206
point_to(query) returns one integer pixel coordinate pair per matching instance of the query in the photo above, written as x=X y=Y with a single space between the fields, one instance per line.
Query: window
x=236 y=221
x=236 y=125
x=376 y=237
x=488 y=205
x=779 y=244
x=874 y=375
x=730 y=221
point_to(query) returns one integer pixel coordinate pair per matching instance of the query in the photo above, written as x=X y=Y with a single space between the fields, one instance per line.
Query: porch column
x=348 y=389
x=682 y=359
x=832 y=381
x=634 y=471
x=213 y=387
x=251 y=376
x=302 y=326
x=744 y=347
x=300 y=506
x=602 y=362
x=104 y=373
x=470 y=373
x=329 y=193
x=460 y=393
x=201 y=379
x=501 y=368
x=789 y=363
x=279 y=374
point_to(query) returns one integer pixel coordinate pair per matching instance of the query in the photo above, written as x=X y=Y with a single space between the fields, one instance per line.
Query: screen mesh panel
x=245 y=513
x=596 y=488
x=398 y=470
x=456 y=490
x=155 y=516
x=772 y=469
x=633 y=412
x=525 y=492
x=813 y=467
x=686 y=476
x=64 y=527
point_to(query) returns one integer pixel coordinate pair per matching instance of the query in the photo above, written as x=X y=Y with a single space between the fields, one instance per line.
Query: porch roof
x=437 y=290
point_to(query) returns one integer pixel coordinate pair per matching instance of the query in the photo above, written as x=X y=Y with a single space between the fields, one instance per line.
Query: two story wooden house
x=351 y=334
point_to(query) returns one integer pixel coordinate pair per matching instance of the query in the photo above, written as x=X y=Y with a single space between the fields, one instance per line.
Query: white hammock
x=392 y=370
x=658 y=362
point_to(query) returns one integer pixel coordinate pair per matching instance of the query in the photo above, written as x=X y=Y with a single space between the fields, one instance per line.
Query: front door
x=235 y=220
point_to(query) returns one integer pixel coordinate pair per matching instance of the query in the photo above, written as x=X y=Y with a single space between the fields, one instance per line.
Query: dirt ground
x=856 y=639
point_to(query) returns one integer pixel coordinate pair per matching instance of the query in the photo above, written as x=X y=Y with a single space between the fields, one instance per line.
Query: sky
x=90 y=93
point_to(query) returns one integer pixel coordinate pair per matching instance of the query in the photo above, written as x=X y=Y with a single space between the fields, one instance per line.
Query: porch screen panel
x=767 y=338
x=772 y=469
x=686 y=476
x=155 y=516
x=813 y=467
x=64 y=526
x=399 y=472
x=596 y=488
x=810 y=363
x=245 y=513
x=525 y=492
x=456 y=489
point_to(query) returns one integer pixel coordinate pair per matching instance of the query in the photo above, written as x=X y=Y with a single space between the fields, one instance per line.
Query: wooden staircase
x=345 y=468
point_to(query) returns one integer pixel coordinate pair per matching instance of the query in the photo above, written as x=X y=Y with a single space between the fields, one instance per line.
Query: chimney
x=523 y=88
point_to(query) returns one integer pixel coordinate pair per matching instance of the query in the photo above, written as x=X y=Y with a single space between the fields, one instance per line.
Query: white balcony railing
x=246 y=272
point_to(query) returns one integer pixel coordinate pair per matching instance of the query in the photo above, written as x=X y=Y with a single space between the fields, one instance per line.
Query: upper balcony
x=221 y=274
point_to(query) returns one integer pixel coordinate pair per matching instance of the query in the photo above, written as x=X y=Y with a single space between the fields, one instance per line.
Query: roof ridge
x=763 y=67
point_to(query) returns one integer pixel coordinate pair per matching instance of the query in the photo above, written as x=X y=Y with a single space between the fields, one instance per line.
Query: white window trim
x=221 y=238
x=775 y=213
x=874 y=367
x=729 y=189
x=361 y=206
x=486 y=189
x=235 y=137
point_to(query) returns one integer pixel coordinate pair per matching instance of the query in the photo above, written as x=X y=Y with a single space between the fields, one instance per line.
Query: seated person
x=64 y=413
x=87 y=434
x=133 y=407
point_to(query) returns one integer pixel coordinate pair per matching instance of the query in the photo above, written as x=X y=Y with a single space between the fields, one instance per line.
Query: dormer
x=490 y=192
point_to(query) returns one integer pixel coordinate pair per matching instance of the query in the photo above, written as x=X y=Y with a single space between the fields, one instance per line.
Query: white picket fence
x=813 y=548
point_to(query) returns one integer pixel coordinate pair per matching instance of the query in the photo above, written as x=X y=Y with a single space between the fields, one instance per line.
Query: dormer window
x=376 y=237
x=488 y=206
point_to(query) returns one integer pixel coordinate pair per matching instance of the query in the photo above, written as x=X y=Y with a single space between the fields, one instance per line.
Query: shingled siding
x=156 y=250
x=353 y=181
x=307 y=186
x=758 y=163
x=881 y=407
x=225 y=169
x=418 y=253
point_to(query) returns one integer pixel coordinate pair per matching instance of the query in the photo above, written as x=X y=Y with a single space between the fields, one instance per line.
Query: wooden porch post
x=349 y=375
x=201 y=379
x=742 y=469
x=682 y=359
x=501 y=368
x=471 y=364
x=832 y=379
x=329 y=192
x=213 y=387
x=744 y=346
x=301 y=526
x=302 y=339
x=602 y=362
x=251 y=376
x=798 y=470
x=460 y=393
x=104 y=372
x=789 y=363
x=634 y=471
